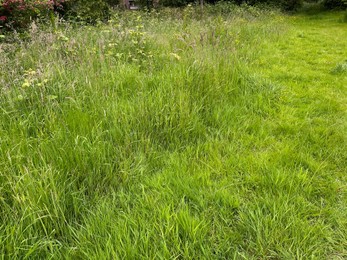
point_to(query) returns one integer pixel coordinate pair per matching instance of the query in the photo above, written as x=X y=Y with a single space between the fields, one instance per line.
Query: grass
x=171 y=135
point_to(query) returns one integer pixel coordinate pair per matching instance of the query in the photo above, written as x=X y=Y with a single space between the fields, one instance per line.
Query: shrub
x=86 y=10
x=19 y=13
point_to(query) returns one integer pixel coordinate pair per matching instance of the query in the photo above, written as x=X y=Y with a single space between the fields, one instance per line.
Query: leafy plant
x=89 y=11
x=20 y=13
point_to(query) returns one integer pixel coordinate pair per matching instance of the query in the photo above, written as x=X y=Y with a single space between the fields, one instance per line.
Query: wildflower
x=119 y=55
x=31 y=72
x=64 y=38
x=26 y=84
x=3 y=18
x=176 y=56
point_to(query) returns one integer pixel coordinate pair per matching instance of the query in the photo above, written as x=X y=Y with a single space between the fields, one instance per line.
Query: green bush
x=86 y=10
x=20 y=13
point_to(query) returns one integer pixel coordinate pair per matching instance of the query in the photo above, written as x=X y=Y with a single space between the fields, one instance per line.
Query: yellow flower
x=176 y=56
x=26 y=84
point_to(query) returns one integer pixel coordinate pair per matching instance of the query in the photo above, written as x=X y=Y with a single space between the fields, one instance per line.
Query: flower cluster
x=33 y=83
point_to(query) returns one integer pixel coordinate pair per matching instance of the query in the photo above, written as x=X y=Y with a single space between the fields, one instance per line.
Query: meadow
x=176 y=135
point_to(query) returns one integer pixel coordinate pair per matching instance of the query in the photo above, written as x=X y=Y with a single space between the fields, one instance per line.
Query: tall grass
x=154 y=137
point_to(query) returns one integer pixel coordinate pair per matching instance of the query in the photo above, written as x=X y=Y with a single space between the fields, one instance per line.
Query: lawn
x=176 y=134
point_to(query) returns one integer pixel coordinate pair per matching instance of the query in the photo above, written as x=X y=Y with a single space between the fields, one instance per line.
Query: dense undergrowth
x=175 y=135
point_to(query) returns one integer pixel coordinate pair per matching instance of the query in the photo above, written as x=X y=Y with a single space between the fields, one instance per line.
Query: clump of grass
x=340 y=68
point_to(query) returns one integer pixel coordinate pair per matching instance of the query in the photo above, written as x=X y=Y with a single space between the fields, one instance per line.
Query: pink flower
x=3 y=18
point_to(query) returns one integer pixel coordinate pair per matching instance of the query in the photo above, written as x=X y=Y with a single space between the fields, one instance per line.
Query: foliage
x=19 y=13
x=88 y=11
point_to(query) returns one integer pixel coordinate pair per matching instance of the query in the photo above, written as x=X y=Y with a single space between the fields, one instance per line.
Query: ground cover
x=176 y=135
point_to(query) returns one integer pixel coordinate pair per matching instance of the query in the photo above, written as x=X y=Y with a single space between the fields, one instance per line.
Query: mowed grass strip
x=176 y=135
